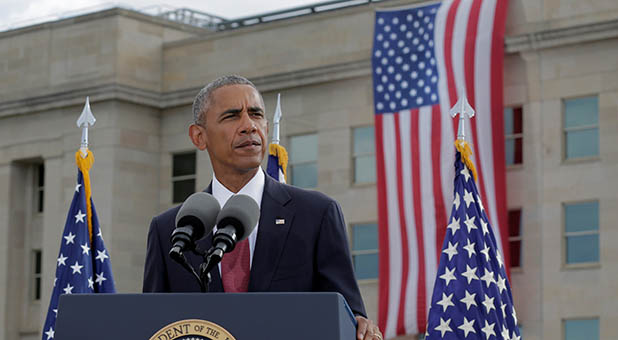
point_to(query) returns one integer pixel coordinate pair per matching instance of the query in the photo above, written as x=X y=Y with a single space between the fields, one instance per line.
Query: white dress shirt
x=255 y=189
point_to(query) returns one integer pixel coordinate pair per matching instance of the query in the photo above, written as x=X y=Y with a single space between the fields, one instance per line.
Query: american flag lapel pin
x=279 y=221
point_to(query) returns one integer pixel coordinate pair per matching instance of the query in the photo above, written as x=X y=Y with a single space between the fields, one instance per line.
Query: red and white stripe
x=415 y=155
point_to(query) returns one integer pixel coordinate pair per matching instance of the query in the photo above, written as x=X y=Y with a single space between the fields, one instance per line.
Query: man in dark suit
x=300 y=241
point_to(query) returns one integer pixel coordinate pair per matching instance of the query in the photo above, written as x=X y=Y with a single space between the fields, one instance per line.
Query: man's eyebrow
x=255 y=109
x=232 y=110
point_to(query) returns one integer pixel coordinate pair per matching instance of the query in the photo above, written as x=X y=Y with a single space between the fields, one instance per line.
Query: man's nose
x=247 y=124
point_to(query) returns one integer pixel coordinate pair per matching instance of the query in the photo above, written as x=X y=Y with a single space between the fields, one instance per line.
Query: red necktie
x=235 y=269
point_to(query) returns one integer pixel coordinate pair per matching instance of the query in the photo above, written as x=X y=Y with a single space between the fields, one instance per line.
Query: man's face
x=236 y=129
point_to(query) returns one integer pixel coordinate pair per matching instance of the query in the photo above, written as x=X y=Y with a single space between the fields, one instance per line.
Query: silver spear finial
x=276 y=120
x=85 y=119
x=463 y=108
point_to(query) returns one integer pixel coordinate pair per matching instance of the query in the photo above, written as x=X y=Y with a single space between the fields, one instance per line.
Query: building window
x=183 y=176
x=365 y=250
x=513 y=135
x=39 y=191
x=581 y=223
x=304 y=160
x=36 y=274
x=577 y=329
x=515 y=237
x=581 y=127
x=363 y=155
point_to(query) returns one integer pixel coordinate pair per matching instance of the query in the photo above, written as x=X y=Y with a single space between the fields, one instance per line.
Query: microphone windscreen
x=200 y=210
x=242 y=212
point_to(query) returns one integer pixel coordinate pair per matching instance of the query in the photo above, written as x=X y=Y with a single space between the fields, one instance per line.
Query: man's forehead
x=237 y=93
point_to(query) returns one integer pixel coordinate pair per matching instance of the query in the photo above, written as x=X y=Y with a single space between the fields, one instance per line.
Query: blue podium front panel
x=246 y=316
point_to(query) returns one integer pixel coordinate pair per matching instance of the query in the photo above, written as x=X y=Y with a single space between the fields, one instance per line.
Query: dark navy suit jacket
x=308 y=252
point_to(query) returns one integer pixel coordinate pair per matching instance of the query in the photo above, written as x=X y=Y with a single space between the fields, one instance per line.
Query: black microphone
x=195 y=219
x=235 y=222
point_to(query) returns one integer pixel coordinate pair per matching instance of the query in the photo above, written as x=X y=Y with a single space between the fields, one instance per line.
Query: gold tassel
x=84 y=165
x=280 y=152
x=466 y=155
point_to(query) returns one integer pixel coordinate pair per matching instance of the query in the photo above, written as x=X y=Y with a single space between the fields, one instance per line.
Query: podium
x=215 y=316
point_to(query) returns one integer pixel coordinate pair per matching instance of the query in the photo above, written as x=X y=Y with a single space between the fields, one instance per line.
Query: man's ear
x=198 y=136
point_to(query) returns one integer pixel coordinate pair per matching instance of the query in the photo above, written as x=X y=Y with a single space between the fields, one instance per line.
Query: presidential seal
x=192 y=329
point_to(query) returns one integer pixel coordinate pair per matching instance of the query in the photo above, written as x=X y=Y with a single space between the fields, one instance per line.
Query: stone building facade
x=142 y=73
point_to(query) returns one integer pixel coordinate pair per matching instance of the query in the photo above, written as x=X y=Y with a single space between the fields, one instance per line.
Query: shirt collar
x=254 y=188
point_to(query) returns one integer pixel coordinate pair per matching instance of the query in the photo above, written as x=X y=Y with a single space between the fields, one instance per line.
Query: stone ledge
x=116 y=11
x=114 y=91
x=561 y=37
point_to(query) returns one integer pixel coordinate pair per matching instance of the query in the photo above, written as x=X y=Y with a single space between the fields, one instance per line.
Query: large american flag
x=83 y=264
x=425 y=58
x=472 y=295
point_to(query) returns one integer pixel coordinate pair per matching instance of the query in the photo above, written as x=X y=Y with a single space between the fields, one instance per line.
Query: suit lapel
x=274 y=225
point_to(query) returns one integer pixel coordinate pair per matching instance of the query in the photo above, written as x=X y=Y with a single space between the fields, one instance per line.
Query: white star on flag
x=467 y=326
x=485 y=252
x=85 y=249
x=470 y=248
x=456 y=201
x=484 y=226
x=451 y=250
x=90 y=283
x=70 y=238
x=470 y=223
x=454 y=226
x=100 y=278
x=446 y=301
x=77 y=268
x=80 y=217
x=468 y=198
x=444 y=326
x=505 y=333
x=489 y=303
x=448 y=275
x=61 y=260
x=489 y=329
x=466 y=173
x=50 y=333
x=488 y=277
x=101 y=255
x=68 y=289
x=77 y=187
x=470 y=273
x=469 y=300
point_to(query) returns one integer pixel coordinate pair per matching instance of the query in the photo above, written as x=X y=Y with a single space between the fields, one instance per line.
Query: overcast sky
x=16 y=13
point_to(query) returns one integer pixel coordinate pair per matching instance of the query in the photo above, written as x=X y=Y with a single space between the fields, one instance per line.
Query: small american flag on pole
x=83 y=264
x=472 y=295
x=424 y=58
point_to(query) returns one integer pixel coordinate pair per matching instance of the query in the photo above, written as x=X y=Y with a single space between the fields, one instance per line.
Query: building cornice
x=562 y=36
x=112 y=12
x=359 y=68
x=114 y=91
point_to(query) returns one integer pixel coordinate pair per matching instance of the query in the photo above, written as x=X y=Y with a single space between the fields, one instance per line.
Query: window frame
x=291 y=162
x=354 y=253
x=515 y=136
x=174 y=179
x=519 y=238
x=34 y=284
x=565 y=320
x=565 y=235
x=565 y=130
x=353 y=157
x=39 y=190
